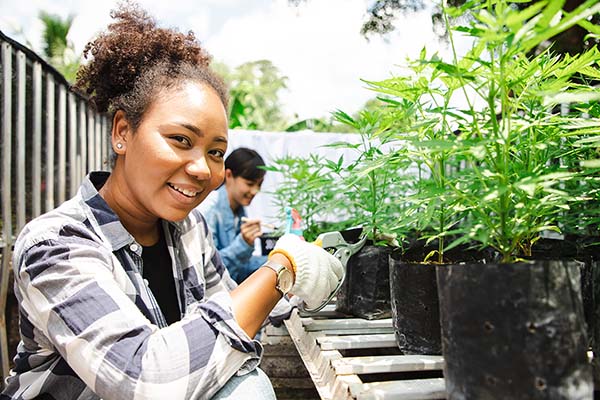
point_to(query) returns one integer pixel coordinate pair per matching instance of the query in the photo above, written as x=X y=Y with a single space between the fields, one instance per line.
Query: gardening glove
x=317 y=271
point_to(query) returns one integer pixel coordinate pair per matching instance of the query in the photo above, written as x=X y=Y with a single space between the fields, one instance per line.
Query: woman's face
x=240 y=190
x=175 y=158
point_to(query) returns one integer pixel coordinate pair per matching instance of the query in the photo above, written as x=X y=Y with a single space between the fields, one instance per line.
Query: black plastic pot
x=415 y=313
x=414 y=296
x=514 y=331
x=267 y=242
x=588 y=252
x=365 y=292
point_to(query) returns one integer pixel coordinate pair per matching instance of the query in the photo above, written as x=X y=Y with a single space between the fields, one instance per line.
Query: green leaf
x=518 y=18
x=571 y=97
x=591 y=163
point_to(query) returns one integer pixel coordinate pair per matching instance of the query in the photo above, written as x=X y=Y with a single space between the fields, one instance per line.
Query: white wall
x=273 y=145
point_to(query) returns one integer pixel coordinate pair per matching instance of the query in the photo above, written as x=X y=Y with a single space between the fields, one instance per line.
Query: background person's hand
x=317 y=271
x=250 y=230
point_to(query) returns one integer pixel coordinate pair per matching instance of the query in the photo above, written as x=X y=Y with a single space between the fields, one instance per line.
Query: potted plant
x=513 y=328
x=367 y=185
x=427 y=141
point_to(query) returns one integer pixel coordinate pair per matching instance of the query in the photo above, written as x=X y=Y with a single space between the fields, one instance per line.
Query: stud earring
x=119 y=146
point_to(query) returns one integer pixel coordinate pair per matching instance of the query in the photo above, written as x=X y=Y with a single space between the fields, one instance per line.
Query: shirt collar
x=104 y=220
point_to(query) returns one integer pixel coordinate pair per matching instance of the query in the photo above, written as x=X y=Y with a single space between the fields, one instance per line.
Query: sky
x=316 y=45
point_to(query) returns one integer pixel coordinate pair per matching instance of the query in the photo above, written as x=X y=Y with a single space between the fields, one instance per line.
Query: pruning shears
x=335 y=243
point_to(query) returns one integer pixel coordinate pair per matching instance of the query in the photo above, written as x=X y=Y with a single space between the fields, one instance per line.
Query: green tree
x=254 y=89
x=58 y=50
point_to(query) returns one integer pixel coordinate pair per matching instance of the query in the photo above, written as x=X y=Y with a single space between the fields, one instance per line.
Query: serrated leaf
x=571 y=97
x=591 y=163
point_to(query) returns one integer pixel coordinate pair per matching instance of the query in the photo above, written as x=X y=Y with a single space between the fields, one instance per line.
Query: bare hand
x=250 y=230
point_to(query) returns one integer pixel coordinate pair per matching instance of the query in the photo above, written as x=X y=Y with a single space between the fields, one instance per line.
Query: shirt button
x=134 y=247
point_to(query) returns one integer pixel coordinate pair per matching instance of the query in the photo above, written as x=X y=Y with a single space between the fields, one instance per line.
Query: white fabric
x=317 y=271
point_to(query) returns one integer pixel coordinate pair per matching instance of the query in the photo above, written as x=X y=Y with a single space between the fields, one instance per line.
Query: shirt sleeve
x=72 y=291
x=236 y=254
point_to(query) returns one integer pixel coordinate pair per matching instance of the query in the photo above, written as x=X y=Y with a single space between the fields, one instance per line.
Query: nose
x=198 y=167
x=254 y=190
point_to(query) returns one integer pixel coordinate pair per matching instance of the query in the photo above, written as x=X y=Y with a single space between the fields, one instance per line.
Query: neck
x=232 y=203
x=142 y=226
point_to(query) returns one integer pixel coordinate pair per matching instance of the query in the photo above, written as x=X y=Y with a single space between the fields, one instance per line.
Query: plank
x=362 y=331
x=344 y=323
x=357 y=341
x=415 y=389
x=389 y=363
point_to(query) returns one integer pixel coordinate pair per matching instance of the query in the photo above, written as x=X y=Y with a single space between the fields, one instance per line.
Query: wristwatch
x=285 y=279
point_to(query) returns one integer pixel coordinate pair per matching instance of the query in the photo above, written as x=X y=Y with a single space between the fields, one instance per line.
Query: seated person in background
x=224 y=211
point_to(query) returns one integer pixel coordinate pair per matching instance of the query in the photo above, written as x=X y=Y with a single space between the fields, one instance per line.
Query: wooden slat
x=388 y=363
x=49 y=148
x=74 y=160
x=91 y=142
x=99 y=138
x=62 y=144
x=327 y=312
x=341 y=324
x=105 y=140
x=358 y=331
x=36 y=156
x=20 y=140
x=357 y=341
x=416 y=389
x=6 y=152
x=83 y=132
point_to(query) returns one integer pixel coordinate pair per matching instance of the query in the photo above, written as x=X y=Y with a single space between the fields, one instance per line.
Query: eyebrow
x=198 y=132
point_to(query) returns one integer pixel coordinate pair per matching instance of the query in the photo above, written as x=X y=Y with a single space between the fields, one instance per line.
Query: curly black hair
x=135 y=59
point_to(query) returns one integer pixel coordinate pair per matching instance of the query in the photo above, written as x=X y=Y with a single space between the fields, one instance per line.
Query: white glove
x=317 y=271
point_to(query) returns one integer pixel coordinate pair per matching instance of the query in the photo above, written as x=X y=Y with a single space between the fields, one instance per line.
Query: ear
x=228 y=174
x=121 y=131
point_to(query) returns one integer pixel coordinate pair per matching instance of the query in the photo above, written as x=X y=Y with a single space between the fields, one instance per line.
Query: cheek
x=217 y=178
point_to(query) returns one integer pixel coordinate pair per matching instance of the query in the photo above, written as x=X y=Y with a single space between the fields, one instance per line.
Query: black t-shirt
x=159 y=273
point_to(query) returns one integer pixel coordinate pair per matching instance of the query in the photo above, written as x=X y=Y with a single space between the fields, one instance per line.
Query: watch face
x=286 y=280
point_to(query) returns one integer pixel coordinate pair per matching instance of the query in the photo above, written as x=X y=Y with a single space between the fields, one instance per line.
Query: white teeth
x=188 y=193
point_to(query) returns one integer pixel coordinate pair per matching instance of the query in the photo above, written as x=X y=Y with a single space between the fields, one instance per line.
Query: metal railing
x=49 y=139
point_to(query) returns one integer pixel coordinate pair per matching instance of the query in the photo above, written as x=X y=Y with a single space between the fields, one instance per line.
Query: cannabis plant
x=517 y=147
x=307 y=186
x=371 y=182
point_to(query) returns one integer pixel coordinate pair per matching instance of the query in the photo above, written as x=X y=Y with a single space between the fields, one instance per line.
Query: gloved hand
x=317 y=271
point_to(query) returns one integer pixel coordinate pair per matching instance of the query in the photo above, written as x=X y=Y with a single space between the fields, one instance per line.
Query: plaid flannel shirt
x=90 y=326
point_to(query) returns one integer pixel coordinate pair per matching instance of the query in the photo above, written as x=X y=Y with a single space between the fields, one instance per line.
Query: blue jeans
x=252 y=386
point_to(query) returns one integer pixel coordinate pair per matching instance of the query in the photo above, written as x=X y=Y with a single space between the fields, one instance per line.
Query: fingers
x=251 y=230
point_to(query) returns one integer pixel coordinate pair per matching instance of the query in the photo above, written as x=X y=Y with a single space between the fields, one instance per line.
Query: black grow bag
x=365 y=292
x=415 y=313
x=414 y=295
x=514 y=331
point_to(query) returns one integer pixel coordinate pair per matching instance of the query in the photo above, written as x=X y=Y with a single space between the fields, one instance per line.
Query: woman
x=122 y=293
x=224 y=211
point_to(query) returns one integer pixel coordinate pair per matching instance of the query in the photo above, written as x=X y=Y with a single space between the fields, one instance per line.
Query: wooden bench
x=352 y=358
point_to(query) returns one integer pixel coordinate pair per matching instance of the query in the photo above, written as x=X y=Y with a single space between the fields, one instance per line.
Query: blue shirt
x=90 y=326
x=225 y=226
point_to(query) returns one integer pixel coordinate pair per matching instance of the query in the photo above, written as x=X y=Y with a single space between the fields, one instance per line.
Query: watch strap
x=277 y=268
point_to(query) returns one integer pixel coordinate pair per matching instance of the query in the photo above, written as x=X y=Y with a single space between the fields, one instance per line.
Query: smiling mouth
x=185 y=192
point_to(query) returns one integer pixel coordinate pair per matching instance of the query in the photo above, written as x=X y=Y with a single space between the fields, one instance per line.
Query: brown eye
x=217 y=153
x=182 y=139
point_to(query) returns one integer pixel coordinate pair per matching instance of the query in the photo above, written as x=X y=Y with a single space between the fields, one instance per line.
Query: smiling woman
x=122 y=293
